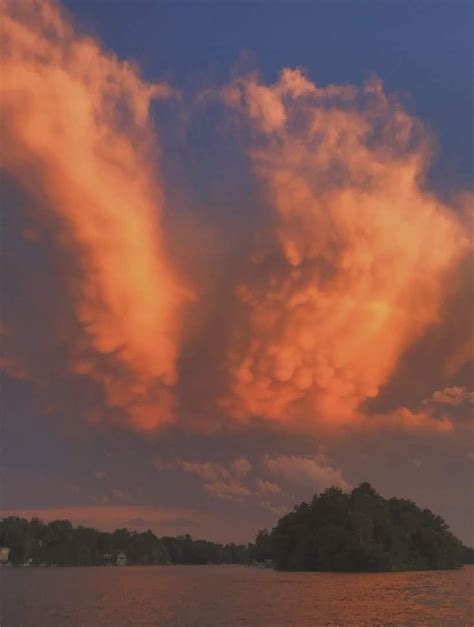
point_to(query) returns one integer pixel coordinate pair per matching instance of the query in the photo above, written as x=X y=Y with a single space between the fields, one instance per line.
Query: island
x=360 y=531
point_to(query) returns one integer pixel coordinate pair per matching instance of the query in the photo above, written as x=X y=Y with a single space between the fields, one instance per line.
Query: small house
x=121 y=559
x=4 y=554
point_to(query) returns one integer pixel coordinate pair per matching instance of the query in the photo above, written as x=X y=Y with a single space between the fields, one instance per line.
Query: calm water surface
x=224 y=596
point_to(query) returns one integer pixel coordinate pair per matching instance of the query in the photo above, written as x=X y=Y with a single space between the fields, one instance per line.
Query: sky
x=237 y=260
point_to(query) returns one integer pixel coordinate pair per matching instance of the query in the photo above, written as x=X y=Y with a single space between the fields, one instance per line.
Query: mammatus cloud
x=353 y=265
x=77 y=135
x=356 y=264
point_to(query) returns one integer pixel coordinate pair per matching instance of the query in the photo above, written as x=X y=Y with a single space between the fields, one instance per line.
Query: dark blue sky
x=421 y=50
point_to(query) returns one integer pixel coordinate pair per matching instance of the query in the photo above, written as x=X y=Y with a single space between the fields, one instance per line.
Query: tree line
x=360 y=531
x=336 y=531
x=60 y=543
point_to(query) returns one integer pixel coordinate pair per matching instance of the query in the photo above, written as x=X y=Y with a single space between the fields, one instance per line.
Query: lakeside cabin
x=4 y=554
x=263 y=564
x=121 y=559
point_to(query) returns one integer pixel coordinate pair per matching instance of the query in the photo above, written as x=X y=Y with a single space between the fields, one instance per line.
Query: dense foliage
x=468 y=555
x=185 y=550
x=360 y=531
x=60 y=543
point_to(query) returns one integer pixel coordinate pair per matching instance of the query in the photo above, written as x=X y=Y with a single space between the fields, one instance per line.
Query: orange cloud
x=315 y=471
x=267 y=487
x=359 y=252
x=77 y=135
x=351 y=270
x=452 y=396
x=223 y=481
x=408 y=420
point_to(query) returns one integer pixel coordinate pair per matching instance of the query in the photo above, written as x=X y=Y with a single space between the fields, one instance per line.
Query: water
x=224 y=596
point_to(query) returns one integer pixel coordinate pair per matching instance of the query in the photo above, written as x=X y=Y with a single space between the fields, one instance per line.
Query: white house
x=121 y=559
x=4 y=553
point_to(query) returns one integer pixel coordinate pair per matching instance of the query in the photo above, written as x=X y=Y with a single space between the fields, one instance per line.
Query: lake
x=225 y=596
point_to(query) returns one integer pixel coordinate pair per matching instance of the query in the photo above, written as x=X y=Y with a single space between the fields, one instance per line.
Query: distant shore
x=342 y=532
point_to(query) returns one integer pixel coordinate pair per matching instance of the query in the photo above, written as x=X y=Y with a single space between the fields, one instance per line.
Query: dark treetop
x=360 y=531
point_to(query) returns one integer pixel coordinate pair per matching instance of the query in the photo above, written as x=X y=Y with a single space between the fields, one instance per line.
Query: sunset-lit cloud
x=221 y=480
x=77 y=135
x=227 y=287
x=358 y=255
x=353 y=262
x=314 y=472
x=277 y=510
x=230 y=489
x=269 y=476
x=452 y=396
x=410 y=420
x=267 y=487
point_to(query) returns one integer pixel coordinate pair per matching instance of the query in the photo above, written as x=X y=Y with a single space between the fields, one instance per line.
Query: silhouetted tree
x=58 y=542
x=360 y=531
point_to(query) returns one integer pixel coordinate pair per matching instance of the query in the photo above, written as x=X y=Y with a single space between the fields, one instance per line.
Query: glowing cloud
x=78 y=137
x=355 y=265
x=350 y=269
x=223 y=481
x=452 y=396
x=314 y=471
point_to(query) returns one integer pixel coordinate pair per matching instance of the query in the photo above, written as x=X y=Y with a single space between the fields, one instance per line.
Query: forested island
x=336 y=531
x=360 y=531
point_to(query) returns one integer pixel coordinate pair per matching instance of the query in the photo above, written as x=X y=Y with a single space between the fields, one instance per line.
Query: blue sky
x=420 y=49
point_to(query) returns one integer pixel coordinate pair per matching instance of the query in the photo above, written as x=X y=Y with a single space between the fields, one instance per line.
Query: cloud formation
x=313 y=472
x=267 y=487
x=223 y=481
x=355 y=265
x=78 y=137
x=352 y=265
x=269 y=476
x=452 y=396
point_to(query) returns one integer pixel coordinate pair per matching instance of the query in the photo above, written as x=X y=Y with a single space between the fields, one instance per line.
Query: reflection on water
x=222 y=596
